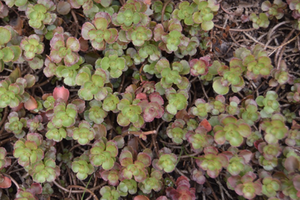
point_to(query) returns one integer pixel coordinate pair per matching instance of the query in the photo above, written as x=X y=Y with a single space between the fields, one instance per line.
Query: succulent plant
x=114 y=64
x=15 y=125
x=167 y=161
x=40 y=14
x=82 y=166
x=98 y=32
x=104 y=154
x=29 y=150
x=259 y=21
x=32 y=46
x=275 y=9
x=232 y=130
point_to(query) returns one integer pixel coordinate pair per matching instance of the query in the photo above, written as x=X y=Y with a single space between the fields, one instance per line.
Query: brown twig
x=84 y=189
x=212 y=190
x=163 y=11
x=13 y=180
x=237 y=30
x=76 y=22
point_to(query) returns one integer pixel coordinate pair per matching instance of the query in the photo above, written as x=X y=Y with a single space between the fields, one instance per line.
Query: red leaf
x=141 y=197
x=206 y=125
x=5 y=182
x=61 y=93
x=31 y=104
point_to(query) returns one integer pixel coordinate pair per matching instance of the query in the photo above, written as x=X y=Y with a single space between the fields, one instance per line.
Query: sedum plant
x=29 y=150
x=40 y=14
x=177 y=131
x=103 y=153
x=205 y=13
x=275 y=9
x=32 y=46
x=232 y=130
x=64 y=49
x=82 y=166
x=166 y=162
x=84 y=133
x=15 y=125
x=136 y=168
x=98 y=32
x=269 y=103
x=259 y=21
x=113 y=63
x=153 y=182
x=212 y=162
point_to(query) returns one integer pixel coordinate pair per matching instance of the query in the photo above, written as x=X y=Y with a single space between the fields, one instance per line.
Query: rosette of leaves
x=275 y=9
x=109 y=192
x=199 y=66
x=148 y=50
x=45 y=170
x=275 y=129
x=8 y=52
x=177 y=131
x=183 y=189
x=205 y=13
x=15 y=125
x=29 y=151
x=257 y=61
x=111 y=102
x=190 y=49
x=130 y=112
x=21 y=4
x=32 y=46
x=95 y=114
x=269 y=151
x=82 y=166
x=294 y=5
x=199 y=139
x=131 y=14
x=185 y=12
x=73 y=72
x=40 y=14
x=201 y=108
x=84 y=133
x=270 y=186
x=64 y=50
x=157 y=7
x=176 y=101
x=218 y=105
x=56 y=134
x=113 y=63
x=249 y=113
x=166 y=162
x=139 y=35
x=112 y=175
x=172 y=38
x=212 y=71
x=230 y=76
x=281 y=74
x=212 y=162
x=153 y=182
x=136 y=168
x=261 y=20
x=127 y=186
x=64 y=115
x=104 y=153
x=93 y=86
x=152 y=109
x=269 y=104
x=232 y=130
x=245 y=186
x=35 y=124
x=98 y=32
x=10 y=94
x=4 y=161
x=29 y=193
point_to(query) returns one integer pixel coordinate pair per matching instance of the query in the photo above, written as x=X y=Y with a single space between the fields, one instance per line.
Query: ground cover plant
x=147 y=99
